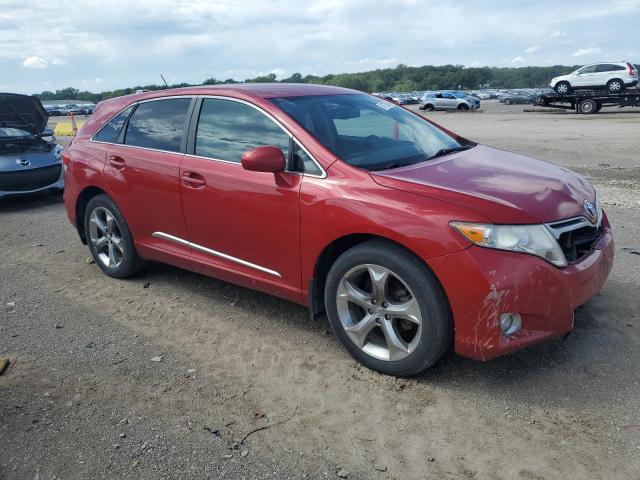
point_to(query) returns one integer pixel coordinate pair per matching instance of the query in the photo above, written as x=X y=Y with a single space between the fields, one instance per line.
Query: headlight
x=57 y=152
x=532 y=239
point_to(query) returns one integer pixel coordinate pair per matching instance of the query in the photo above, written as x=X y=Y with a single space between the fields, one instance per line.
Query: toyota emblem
x=592 y=213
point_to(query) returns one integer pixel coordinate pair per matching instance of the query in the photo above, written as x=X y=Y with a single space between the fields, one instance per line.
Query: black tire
x=615 y=85
x=507 y=101
x=562 y=87
x=437 y=325
x=463 y=107
x=587 y=107
x=130 y=263
x=429 y=108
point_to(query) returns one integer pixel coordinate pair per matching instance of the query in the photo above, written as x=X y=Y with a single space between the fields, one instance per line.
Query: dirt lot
x=84 y=398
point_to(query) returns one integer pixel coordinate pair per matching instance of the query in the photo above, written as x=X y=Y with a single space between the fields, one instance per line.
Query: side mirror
x=264 y=159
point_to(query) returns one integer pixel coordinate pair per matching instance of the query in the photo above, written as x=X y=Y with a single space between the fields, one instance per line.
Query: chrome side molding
x=215 y=253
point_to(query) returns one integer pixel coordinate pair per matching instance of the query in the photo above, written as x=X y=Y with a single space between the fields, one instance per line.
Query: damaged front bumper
x=483 y=284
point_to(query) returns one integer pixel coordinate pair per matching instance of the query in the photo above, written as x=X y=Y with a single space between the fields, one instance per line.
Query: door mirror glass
x=266 y=158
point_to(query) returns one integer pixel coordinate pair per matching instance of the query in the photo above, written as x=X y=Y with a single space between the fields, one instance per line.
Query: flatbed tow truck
x=589 y=101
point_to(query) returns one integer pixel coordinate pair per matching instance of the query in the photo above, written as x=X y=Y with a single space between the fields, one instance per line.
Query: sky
x=104 y=45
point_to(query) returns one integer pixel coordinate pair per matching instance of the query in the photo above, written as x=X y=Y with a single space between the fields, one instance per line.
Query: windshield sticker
x=385 y=105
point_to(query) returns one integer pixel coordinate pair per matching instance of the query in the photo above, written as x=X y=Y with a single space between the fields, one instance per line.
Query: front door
x=239 y=221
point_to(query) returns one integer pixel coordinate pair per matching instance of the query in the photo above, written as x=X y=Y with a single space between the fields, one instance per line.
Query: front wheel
x=109 y=238
x=563 y=88
x=463 y=107
x=588 y=106
x=388 y=309
x=507 y=101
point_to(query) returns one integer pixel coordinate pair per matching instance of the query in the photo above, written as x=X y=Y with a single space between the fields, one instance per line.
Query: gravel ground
x=165 y=374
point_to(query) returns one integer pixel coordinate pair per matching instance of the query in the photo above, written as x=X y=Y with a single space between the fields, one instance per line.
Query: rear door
x=142 y=171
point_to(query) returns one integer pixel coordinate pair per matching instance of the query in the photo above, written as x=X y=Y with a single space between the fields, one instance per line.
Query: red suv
x=410 y=237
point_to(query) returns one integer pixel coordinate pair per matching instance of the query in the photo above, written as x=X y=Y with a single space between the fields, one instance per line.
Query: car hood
x=23 y=112
x=505 y=187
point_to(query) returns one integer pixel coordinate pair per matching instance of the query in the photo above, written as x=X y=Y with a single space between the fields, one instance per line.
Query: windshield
x=367 y=132
x=13 y=132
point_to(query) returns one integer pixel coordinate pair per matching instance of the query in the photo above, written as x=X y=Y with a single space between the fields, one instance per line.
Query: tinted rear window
x=110 y=131
x=158 y=124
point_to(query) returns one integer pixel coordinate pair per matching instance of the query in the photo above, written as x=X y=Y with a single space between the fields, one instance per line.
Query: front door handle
x=193 y=180
x=116 y=162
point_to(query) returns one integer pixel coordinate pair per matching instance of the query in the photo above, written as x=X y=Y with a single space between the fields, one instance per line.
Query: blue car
x=30 y=160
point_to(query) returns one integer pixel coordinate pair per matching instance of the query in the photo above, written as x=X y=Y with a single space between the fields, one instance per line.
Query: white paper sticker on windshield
x=385 y=105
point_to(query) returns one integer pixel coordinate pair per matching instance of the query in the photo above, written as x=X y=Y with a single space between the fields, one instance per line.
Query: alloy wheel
x=106 y=237
x=615 y=86
x=379 y=312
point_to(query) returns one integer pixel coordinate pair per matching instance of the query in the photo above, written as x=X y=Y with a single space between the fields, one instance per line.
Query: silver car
x=447 y=101
x=30 y=160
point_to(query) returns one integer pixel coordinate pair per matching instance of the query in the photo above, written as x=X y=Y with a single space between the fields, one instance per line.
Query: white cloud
x=586 y=52
x=58 y=62
x=35 y=62
x=279 y=72
x=558 y=34
x=517 y=60
x=532 y=49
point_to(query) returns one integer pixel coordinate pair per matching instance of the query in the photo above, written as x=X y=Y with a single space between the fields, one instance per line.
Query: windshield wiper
x=446 y=151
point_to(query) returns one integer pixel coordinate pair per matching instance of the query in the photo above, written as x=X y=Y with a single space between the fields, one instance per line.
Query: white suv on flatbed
x=614 y=76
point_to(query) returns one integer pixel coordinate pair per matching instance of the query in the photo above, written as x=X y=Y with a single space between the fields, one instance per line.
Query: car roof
x=238 y=90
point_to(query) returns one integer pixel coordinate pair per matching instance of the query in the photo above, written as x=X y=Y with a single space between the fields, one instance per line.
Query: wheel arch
x=81 y=204
x=337 y=247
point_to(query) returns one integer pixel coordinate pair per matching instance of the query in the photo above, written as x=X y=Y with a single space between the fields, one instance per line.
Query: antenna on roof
x=165 y=82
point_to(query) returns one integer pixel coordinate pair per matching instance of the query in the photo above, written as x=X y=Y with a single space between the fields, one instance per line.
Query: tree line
x=401 y=78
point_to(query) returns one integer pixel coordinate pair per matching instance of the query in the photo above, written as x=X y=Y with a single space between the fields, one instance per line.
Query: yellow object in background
x=65 y=129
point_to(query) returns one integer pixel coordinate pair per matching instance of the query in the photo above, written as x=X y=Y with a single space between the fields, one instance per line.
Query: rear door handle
x=193 y=180
x=116 y=162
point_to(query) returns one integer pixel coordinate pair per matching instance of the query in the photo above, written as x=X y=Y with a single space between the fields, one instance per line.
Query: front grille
x=577 y=235
x=31 y=179
x=577 y=243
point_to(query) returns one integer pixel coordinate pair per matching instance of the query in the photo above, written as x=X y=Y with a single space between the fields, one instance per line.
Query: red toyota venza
x=411 y=238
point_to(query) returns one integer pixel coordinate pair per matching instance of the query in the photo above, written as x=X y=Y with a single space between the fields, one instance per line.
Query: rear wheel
x=388 y=310
x=109 y=238
x=562 y=88
x=615 y=86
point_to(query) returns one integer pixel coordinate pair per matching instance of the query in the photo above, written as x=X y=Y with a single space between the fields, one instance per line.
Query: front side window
x=109 y=133
x=587 y=69
x=158 y=124
x=367 y=132
x=227 y=129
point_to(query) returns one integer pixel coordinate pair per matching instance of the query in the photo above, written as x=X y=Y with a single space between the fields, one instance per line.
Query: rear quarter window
x=109 y=133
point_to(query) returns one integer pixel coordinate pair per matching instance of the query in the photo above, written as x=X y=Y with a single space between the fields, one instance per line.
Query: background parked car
x=447 y=101
x=30 y=160
x=517 y=96
x=87 y=109
x=54 y=110
x=613 y=76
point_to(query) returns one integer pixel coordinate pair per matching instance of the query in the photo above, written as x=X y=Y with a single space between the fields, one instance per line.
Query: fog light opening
x=510 y=323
